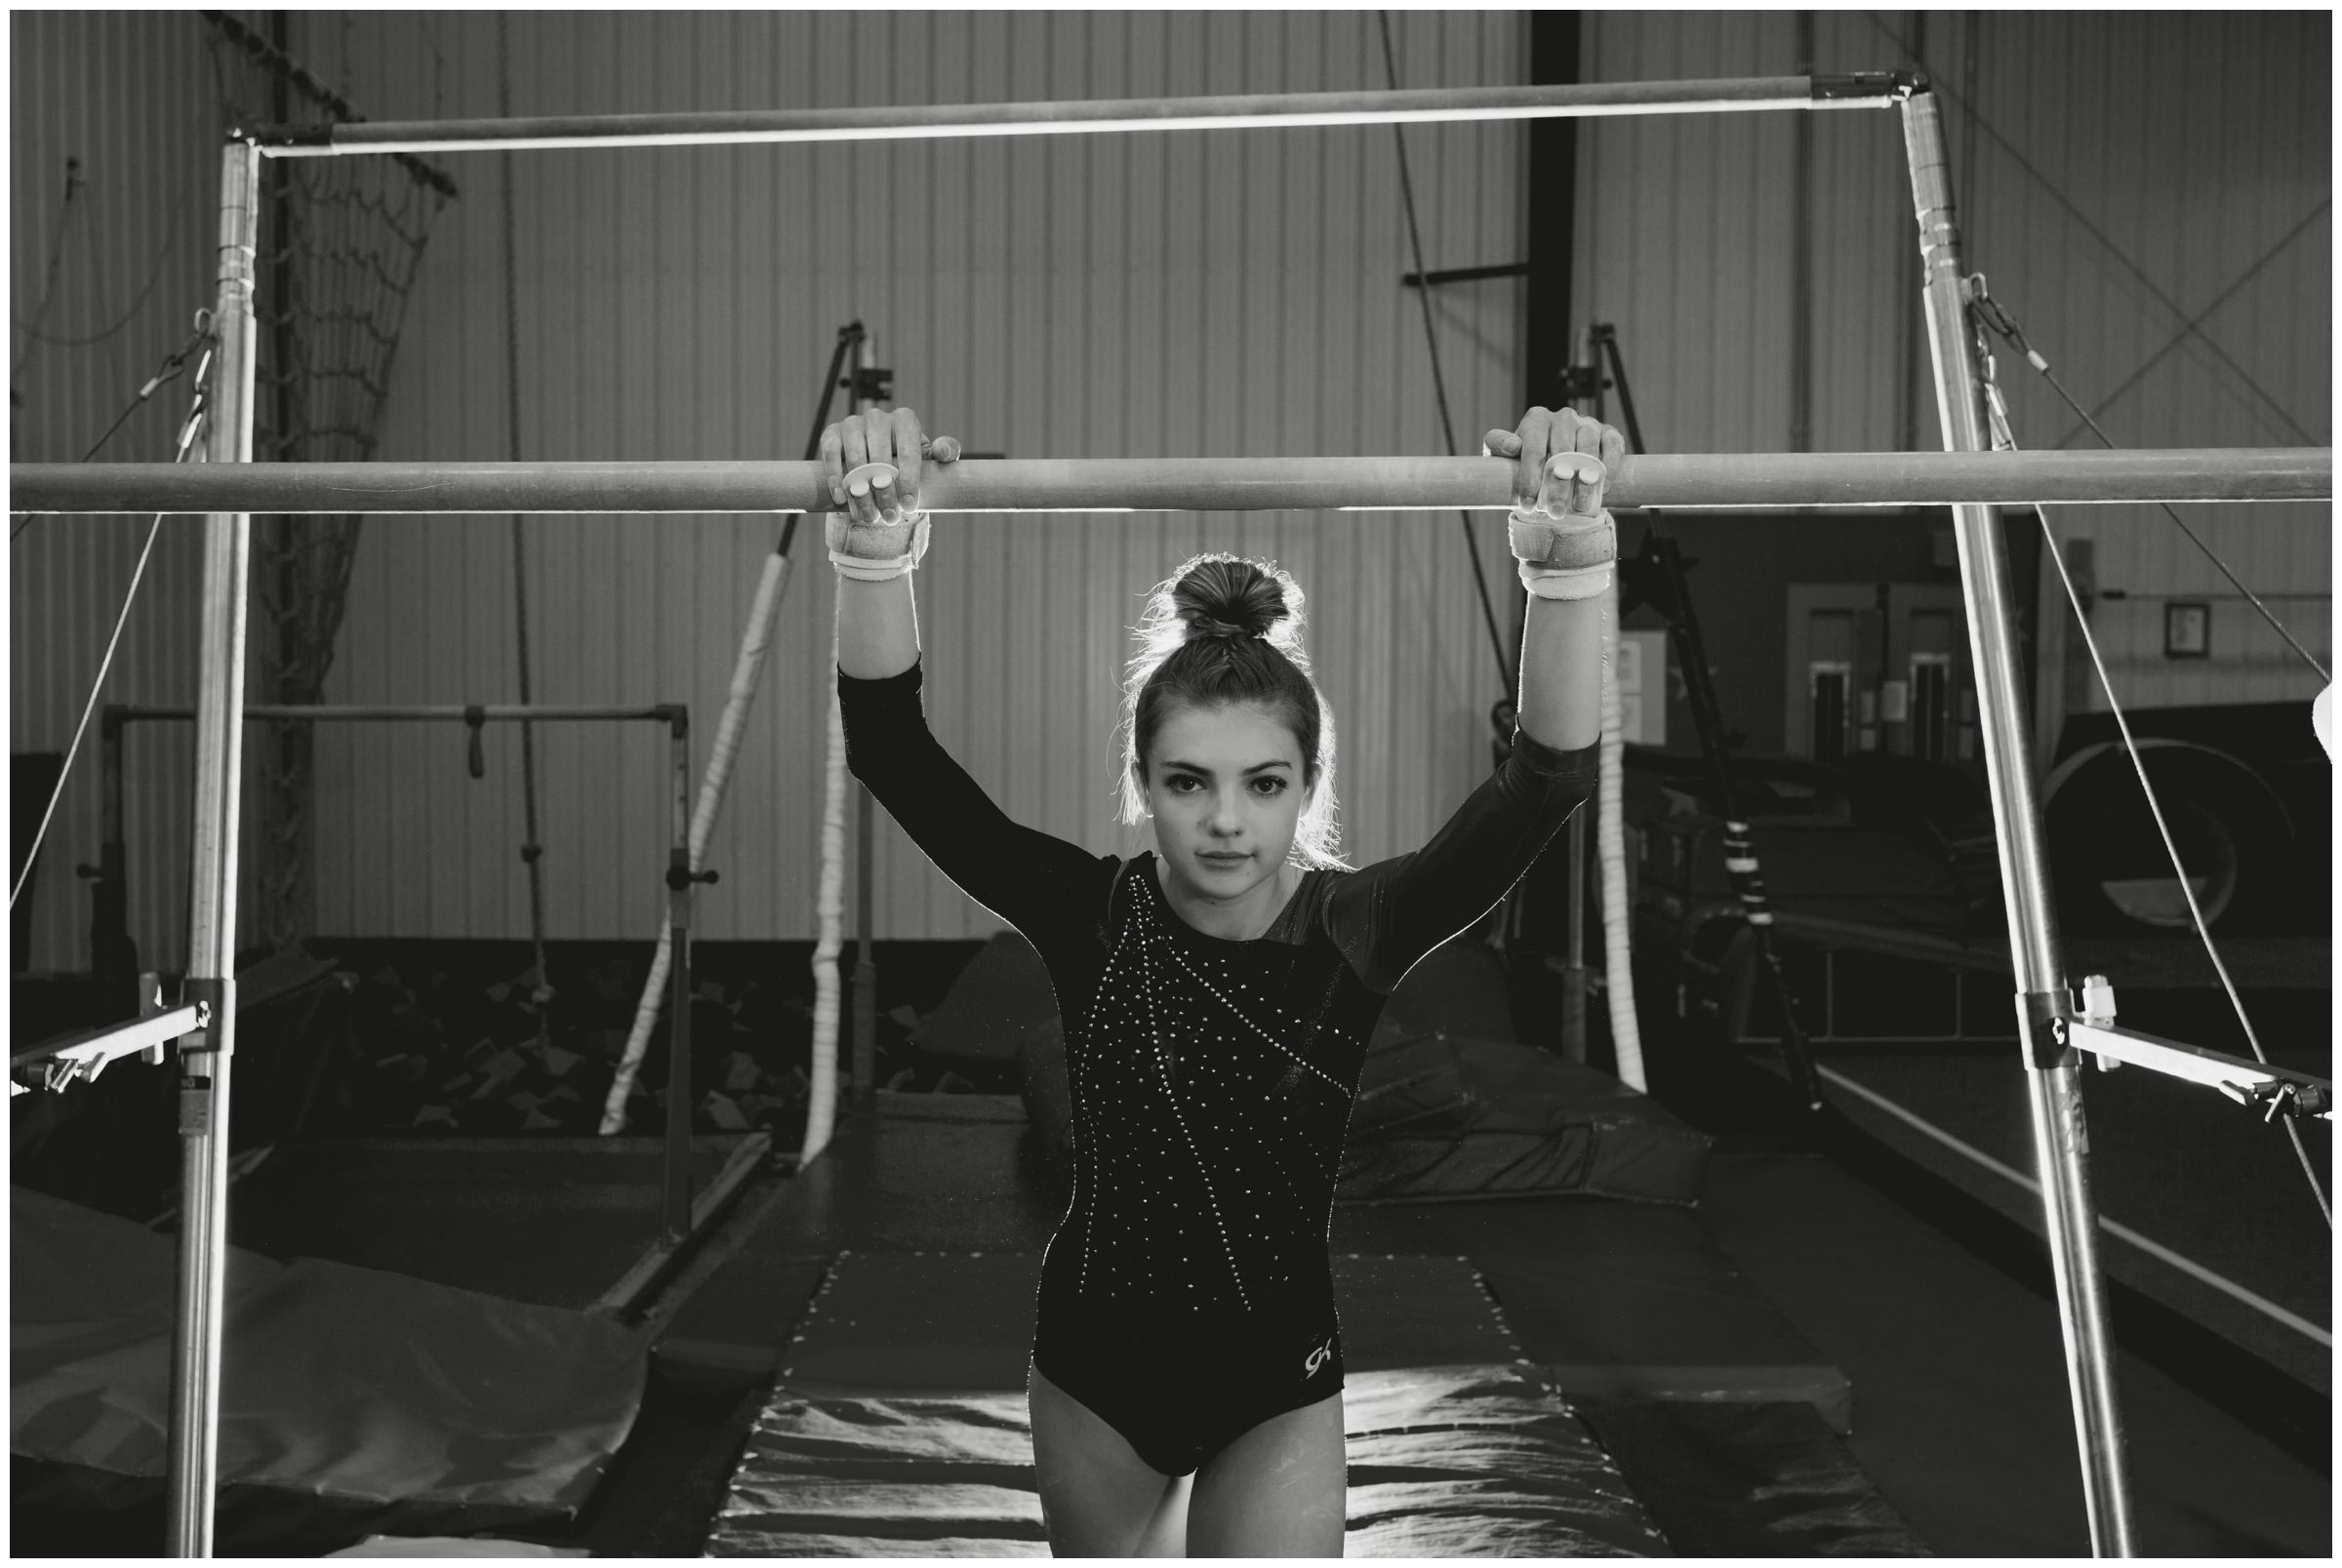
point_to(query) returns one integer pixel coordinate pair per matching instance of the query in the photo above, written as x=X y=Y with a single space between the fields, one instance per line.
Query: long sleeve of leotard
x=1029 y=879
x=1391 y=913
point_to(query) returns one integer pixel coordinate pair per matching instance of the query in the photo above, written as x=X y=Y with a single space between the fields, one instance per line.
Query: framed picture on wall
x=2187 y=630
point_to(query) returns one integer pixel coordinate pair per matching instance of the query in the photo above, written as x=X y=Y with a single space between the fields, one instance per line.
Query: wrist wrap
x=875 y=553
x=1564 y=557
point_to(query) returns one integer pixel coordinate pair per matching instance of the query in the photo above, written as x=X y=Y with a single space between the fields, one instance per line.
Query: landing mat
x=552 y=1221
x=1441 y=1118
x=1445 y=1461
x=364 y=1395
x=1749 y=1480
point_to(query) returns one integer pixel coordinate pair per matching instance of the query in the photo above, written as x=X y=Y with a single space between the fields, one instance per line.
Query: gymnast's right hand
x=879 y=531
x=1561 y=535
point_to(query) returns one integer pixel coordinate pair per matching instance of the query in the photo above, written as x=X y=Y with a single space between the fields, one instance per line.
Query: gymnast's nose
x=1227 y=819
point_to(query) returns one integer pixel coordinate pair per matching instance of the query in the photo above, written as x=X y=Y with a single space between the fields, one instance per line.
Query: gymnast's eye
x=1177 y=782
x=1269 y=786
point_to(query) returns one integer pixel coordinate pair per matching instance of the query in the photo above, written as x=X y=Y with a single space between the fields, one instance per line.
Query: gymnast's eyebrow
x=1190 y=766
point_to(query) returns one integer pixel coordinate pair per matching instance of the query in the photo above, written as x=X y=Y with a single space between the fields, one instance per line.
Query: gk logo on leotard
x=1316 y=1359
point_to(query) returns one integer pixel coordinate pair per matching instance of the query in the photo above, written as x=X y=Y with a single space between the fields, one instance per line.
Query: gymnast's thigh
x=1278 y=1490
x=1098 y=1497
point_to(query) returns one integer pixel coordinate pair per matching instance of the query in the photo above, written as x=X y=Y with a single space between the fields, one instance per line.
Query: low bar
x=936 y=121
x=1737 y=481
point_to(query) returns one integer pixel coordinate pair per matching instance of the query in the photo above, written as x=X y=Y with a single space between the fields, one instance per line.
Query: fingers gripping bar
x=1571 y=556
x=873 y=478
x=873 y=553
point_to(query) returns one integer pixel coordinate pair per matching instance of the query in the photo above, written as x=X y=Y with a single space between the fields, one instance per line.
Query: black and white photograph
x=1012 y=783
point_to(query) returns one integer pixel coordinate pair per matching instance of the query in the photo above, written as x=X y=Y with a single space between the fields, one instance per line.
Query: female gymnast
x=1217 y=991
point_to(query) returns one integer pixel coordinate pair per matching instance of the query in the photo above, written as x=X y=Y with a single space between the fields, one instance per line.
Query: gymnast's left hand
x=891 y=437
x=1544 y=432
x=1565 y=543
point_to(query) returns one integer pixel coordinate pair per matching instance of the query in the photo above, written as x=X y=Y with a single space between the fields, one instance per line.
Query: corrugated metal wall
x=101 y=288
x=2148 y=192
x=1191 y=294
x=2142 y=173
x=1198 y=293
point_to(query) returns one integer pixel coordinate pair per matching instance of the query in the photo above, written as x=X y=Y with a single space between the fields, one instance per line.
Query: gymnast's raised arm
x=1567 y=549
x=877 y=534
x=875 y=541
x=1389 y=914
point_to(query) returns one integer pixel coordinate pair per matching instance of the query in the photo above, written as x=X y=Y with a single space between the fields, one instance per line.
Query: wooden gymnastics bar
x=669 y=714
x=939 y=121
x=1737 y=480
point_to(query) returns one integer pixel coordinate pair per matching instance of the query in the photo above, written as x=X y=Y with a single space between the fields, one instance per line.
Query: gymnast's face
x=1225 y=786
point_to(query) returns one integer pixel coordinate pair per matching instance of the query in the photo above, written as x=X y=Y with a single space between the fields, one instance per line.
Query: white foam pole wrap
x=821 y=1111
x=748 y=672
x=1610 y=844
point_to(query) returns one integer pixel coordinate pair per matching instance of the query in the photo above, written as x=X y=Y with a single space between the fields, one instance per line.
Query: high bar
x=1253 y=110
x=443 y=713
x=1733 y=481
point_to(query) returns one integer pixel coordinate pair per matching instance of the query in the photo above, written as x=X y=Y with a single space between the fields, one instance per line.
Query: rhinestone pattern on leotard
x=1212 y=1085
x=1211 y=1080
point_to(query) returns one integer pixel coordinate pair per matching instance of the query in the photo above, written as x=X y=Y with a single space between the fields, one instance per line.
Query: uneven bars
x=930 y=121
x=1740 y=480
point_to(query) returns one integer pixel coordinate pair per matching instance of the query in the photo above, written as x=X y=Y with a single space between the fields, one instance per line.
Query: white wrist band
x=1573 y=558
x=882 y=568
x=1567 y=582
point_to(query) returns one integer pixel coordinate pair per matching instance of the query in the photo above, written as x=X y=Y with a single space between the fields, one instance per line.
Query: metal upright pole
x=2061 y=1143
x=676 y=1206
x=204 y=1057
x=1586 y=384
x=112 y=958
x=1573 y=942
x=866 y=967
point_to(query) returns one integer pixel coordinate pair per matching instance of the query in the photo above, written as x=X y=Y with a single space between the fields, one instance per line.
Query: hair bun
x=1223 y=596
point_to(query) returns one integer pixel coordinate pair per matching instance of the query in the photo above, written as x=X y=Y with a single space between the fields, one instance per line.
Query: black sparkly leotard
x=1187 y=1295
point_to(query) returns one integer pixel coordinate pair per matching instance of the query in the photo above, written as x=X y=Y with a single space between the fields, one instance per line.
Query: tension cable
x=196 y=416
x=2004 y=440
x=1996 y=316
x=173 y=365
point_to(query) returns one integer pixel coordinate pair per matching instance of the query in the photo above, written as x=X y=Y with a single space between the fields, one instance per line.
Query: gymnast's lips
x=1221 y=861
